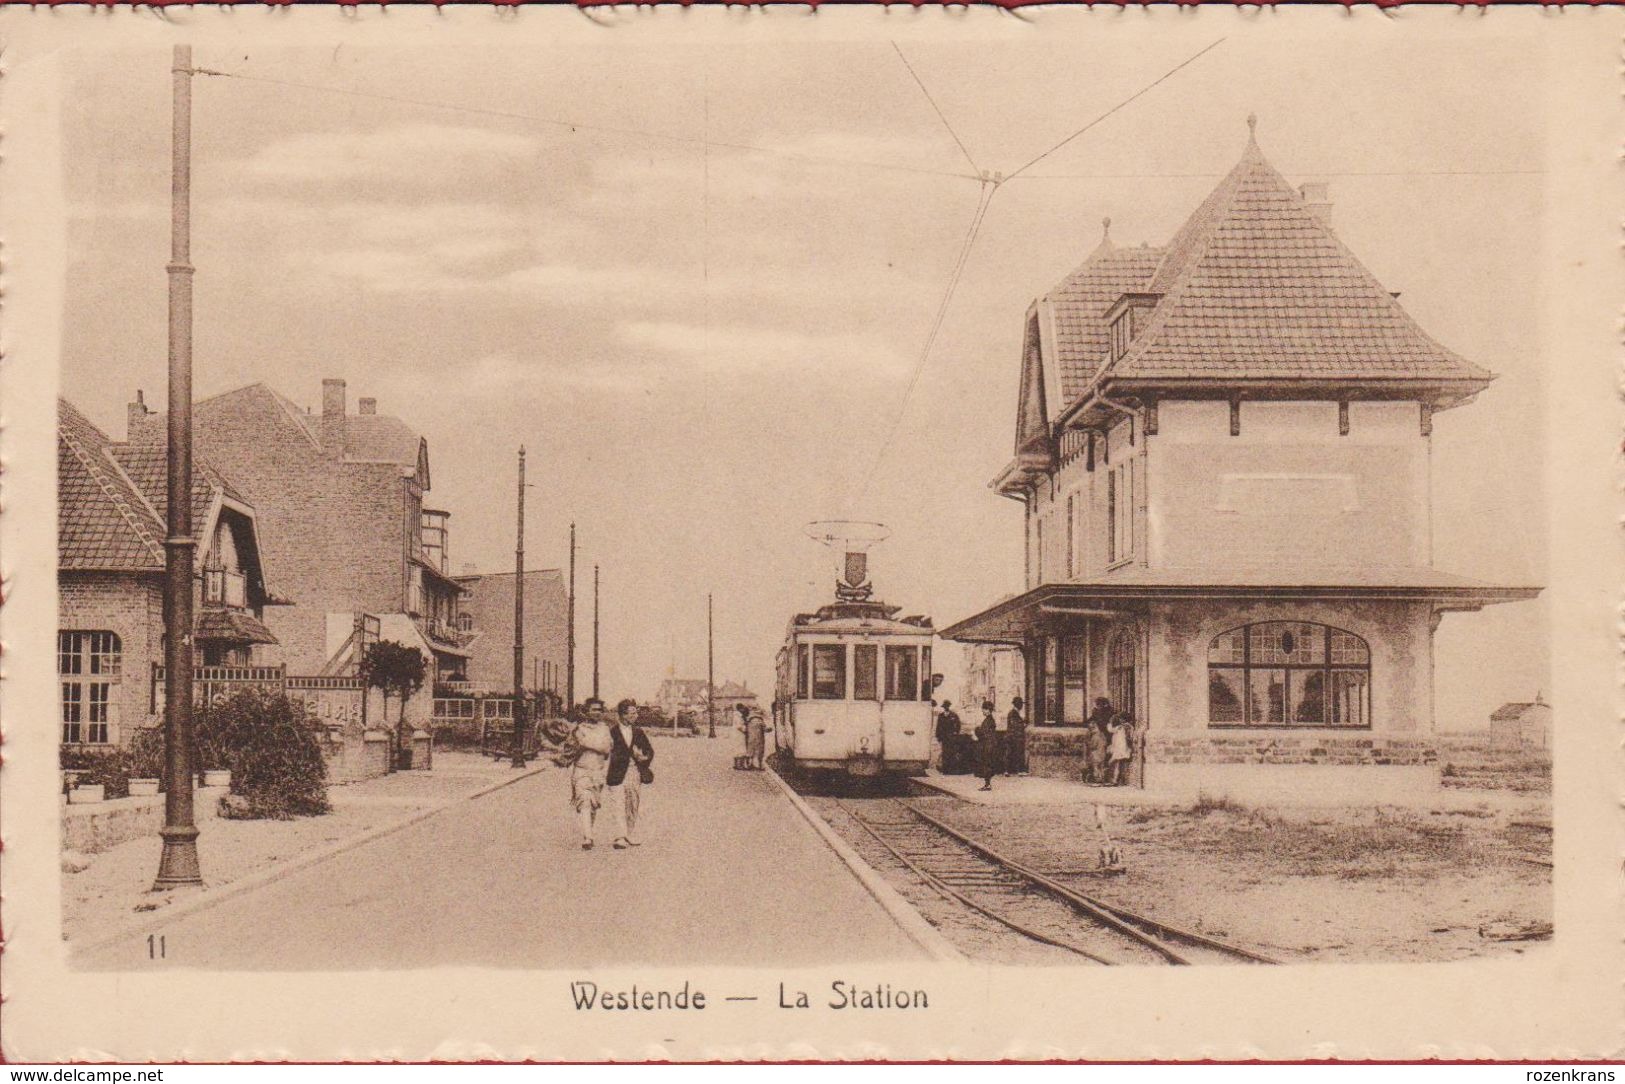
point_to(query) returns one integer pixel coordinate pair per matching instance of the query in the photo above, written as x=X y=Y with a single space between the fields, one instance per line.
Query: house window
x=829 y=671
x=902 y=673
x=1040 y=550
x=1289 y=674
x=1071 y=538
x=1074 y=681
x=803 y=671
x=1120 y=512
x=90 y=664
x=864 y=672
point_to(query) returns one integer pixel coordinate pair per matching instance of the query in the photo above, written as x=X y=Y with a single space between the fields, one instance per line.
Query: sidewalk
x=113 y=890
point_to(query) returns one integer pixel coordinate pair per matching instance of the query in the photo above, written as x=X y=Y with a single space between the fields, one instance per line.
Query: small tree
x=273 y=747
x=397 y=670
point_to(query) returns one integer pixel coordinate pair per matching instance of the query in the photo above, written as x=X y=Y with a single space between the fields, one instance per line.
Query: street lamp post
x=178 y=863
x=519 y=624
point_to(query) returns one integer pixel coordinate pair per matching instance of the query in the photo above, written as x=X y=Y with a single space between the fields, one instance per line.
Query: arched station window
x=1288 y=674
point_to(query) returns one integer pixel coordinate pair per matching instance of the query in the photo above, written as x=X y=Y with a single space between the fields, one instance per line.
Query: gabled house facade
x=341 y=499
x=112 y=500
x=487 y=614
x=1222 y=448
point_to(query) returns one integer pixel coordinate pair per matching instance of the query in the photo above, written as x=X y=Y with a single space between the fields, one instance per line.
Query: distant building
x=992 y=672
x=678 y=695
x=1222 y=447
x=487 y=615
x=342 y=517
x=1523 y=724
x=112 y=500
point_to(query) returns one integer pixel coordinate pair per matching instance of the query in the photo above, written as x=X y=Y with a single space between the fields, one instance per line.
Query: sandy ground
x=1365 y=884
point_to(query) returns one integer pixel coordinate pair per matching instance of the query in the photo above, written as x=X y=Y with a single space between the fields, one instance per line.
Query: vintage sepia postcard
x=704 y=534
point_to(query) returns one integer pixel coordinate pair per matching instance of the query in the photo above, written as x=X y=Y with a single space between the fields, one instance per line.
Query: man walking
x=1015 y=757
x=630 y=757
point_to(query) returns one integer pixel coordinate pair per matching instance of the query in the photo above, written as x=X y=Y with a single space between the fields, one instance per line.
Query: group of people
x=1108 y=744
x=753 y=724
x=992 y=748
x=610 y=761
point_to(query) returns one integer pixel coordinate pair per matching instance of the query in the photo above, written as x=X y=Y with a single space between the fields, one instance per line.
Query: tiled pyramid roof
x=103 y=522
x=1254 y=286
x=1080 y=302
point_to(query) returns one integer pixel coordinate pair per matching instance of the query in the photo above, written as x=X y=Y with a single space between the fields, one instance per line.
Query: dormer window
x=1126 y=318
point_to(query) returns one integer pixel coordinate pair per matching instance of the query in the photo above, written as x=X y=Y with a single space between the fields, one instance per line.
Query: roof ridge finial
x=1252 y=129
x=1106 y=229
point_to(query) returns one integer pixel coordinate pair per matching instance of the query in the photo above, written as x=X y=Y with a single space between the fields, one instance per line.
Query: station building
x=1222 y=447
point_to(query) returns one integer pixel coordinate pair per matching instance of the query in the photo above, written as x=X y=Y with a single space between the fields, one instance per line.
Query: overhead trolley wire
x=990 y=188
x=940 y=115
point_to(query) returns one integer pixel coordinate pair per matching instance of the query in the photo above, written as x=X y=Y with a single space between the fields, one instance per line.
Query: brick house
x=111 y=506
x=487 y=614
x=1526 y=723
x=1222 y=447
x=342 y=518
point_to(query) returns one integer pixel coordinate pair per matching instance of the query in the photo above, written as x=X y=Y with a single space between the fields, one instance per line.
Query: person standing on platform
x=1015 y=737
x=756 y=729
x=987 y=746
x=1096 y=738
x=630 y=757
x=947 y=736
x=1119 y=755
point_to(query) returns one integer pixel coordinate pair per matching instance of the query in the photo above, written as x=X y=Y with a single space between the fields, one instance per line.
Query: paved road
x=729 y=874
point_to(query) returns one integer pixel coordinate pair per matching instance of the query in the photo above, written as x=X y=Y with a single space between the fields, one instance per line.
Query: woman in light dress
x=1119 y=753
x=586 y=751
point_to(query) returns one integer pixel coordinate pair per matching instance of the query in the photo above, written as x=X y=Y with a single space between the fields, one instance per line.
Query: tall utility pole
x=710 y=669
x=519 y=623
x=178 y=863
x=570 y=633
x=594 y=630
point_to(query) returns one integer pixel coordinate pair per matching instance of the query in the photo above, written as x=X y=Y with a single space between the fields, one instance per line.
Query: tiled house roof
x=147 y=466
x=379 y=438
x=103 y=521
x=1254 y=286
x=1080 y=302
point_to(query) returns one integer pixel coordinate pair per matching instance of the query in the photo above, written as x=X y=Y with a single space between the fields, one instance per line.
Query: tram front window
x=829 y=672
x=865 y=685
x=902 y=673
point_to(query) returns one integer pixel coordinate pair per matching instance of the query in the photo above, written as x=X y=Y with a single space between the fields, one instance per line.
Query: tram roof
x=863 y=618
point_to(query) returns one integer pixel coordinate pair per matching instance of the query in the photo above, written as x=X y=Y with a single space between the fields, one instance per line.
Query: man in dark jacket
x=987 y=746
x=630 y=757
x=947 y=734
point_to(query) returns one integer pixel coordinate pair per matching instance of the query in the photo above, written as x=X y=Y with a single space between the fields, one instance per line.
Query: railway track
x=1032 y=904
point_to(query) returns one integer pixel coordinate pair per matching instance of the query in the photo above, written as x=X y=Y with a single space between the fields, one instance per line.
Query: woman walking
x=756 y=729
x=586 y=751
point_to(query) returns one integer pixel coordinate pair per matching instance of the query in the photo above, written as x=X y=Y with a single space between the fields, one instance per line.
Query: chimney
x=333 y=417
x=1316 y=201
x=138 y=427
x=367 y=406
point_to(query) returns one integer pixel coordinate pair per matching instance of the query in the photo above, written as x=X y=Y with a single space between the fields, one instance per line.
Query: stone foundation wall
x=93 y=828
x=1292 y=748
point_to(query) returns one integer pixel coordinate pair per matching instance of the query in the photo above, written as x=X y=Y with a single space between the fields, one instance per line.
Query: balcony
x=433 y=540
x=222 y=588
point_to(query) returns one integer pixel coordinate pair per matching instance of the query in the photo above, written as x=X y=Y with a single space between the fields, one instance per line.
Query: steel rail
x=952 y=893
x=1119 y=918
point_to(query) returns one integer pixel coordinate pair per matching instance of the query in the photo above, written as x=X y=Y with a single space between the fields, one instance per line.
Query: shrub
x=274 y=750
x=146 y=754
x=109 y=767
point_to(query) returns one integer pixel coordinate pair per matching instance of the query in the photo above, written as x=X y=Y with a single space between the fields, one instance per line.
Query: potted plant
x=209 y=744
x=146 y=761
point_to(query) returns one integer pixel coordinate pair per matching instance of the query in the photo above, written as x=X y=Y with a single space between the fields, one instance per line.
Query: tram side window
x=902 y=673
x=829 y=672
x=802 y=671
x=865 y=665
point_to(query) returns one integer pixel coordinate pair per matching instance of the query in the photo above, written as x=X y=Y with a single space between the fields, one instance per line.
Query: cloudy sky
x=696 y=283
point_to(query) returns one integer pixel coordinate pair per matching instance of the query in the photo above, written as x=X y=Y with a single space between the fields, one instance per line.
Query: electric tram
x=854 y=680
